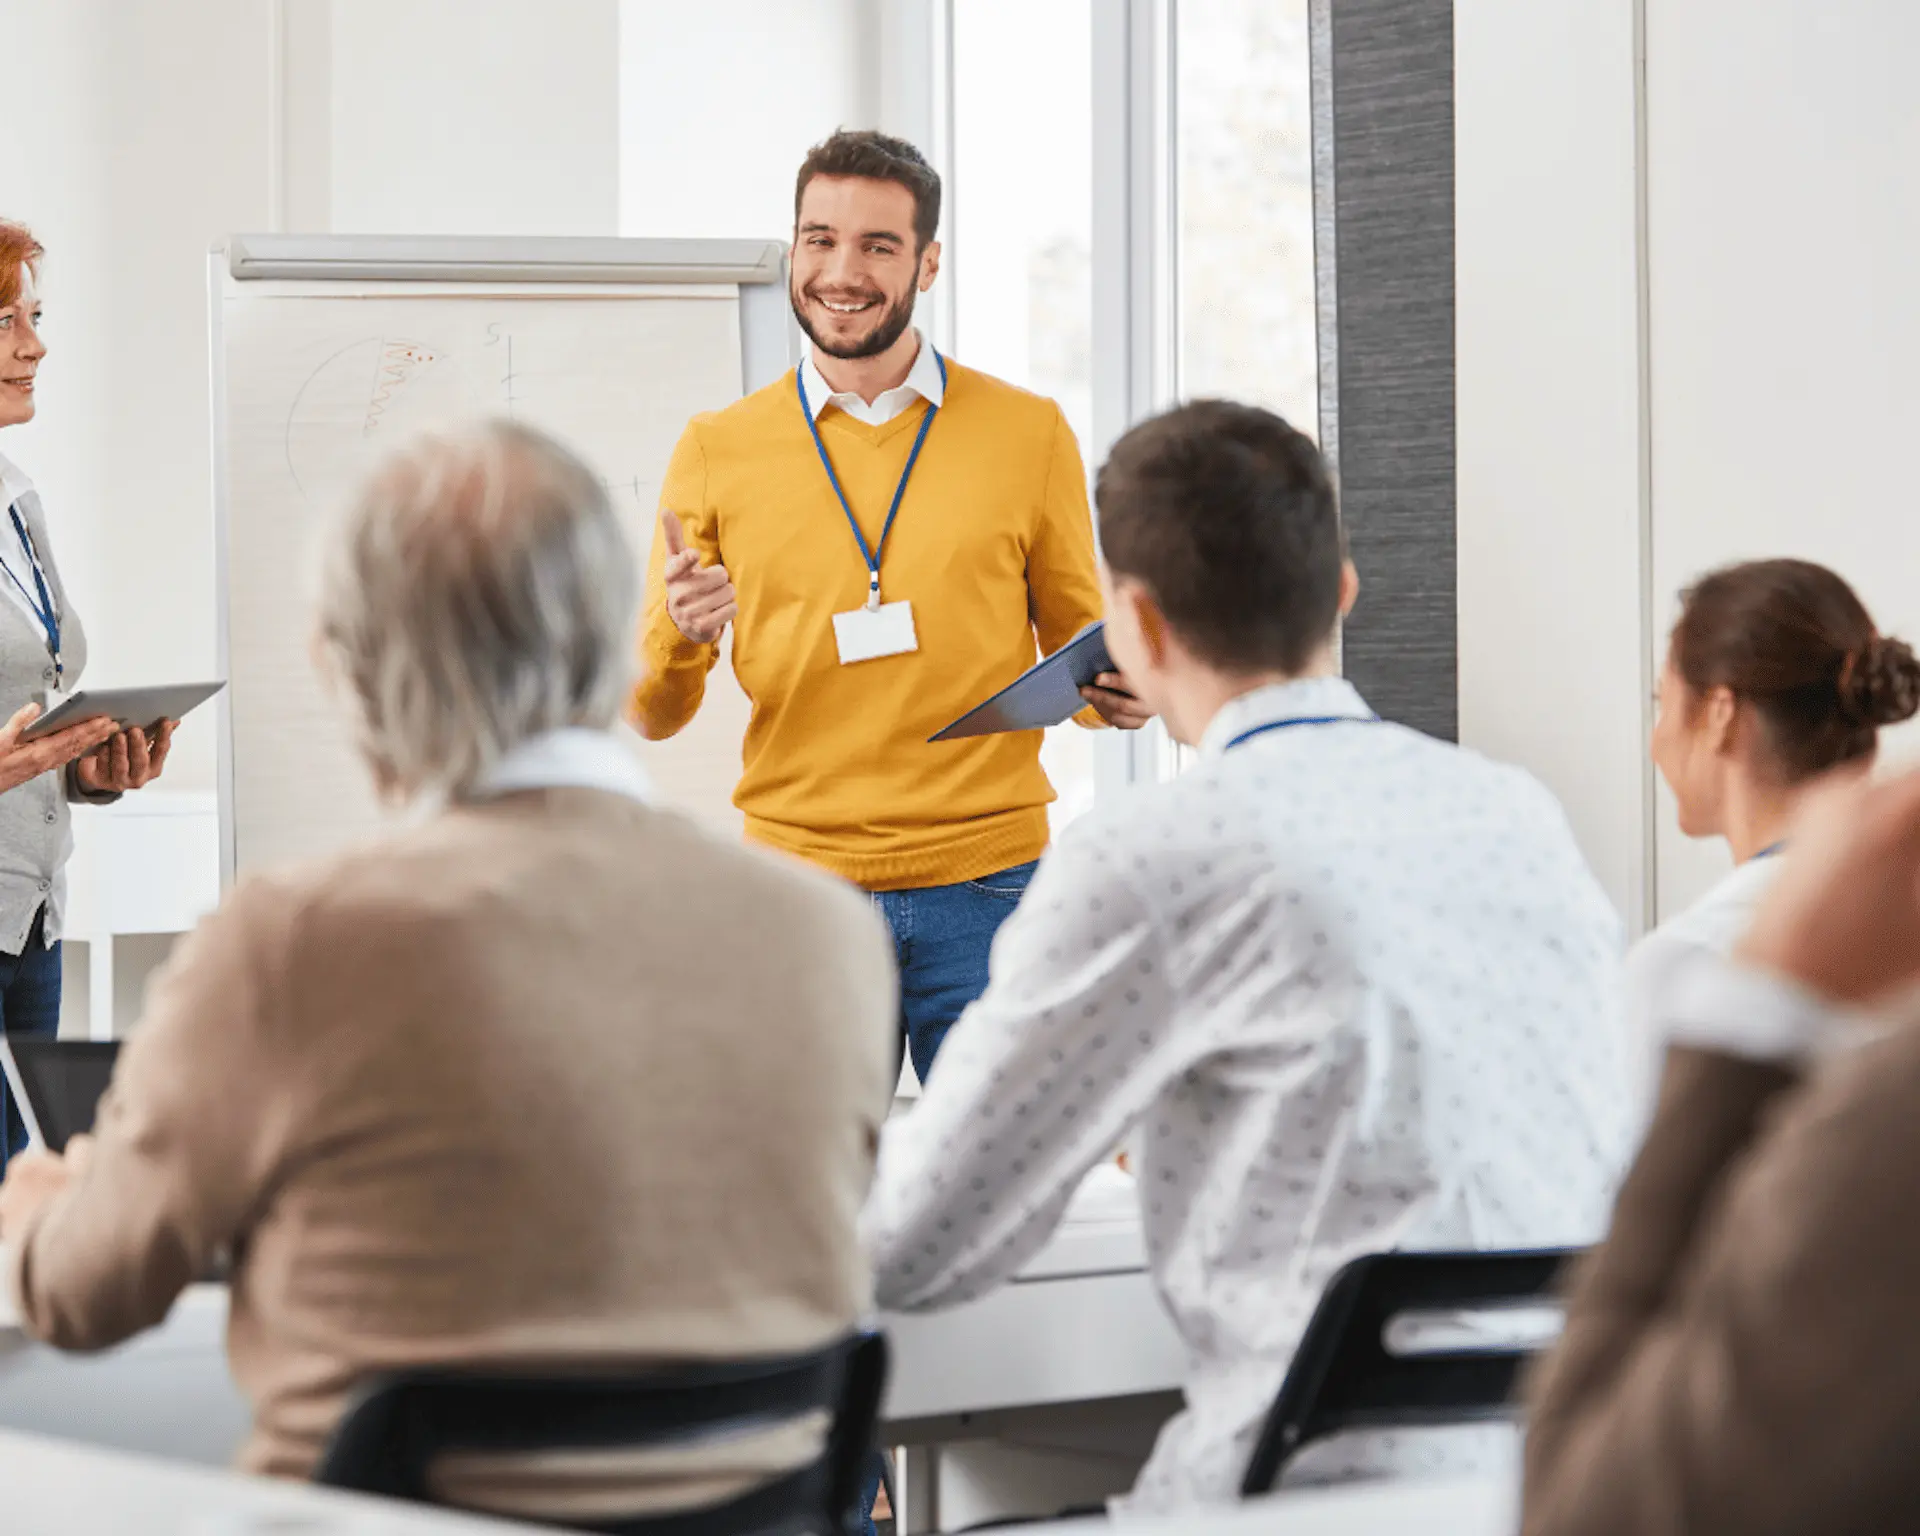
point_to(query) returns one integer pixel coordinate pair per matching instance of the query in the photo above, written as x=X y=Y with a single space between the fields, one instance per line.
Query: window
x=1022 y=190
x=1020 y=235
x=1244 y=147
x=1243 y=196
x=1236 y=136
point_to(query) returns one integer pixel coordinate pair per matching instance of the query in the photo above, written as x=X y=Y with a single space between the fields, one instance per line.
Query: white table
x=166 y=1393
x=1080 y=1326
x=54 y=1488
x=1483 y=1506
x=148 y=863
x=1080 y=1323
x=1044 y=1394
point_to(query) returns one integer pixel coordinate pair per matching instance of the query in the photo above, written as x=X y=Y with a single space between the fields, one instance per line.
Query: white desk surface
x=52 y=1488
x=1481 y=1506
x=1081 y=1322
x=55 y=1488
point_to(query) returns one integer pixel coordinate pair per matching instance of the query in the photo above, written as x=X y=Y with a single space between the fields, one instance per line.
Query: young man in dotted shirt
x=1341 y=987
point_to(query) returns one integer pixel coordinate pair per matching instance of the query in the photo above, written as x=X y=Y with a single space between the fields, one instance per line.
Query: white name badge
x=866 y=634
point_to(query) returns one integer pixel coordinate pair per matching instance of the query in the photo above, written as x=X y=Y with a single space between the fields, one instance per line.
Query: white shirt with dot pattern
x=1346 y=987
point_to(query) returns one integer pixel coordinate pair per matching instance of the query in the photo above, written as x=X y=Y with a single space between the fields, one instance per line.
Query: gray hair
x=478 y=592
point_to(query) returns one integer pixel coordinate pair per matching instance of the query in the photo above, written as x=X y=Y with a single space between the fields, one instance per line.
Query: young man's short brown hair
x=1226 y=515
x=878 y=157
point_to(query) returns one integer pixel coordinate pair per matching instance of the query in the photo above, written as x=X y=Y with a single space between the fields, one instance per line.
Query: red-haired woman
x=42 y=651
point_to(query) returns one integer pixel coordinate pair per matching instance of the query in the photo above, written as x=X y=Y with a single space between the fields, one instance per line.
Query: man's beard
x=890 y=327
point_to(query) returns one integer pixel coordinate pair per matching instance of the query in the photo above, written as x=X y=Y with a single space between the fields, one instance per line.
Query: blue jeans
x=941 y=938
x=29 y=1005
x=942 y=935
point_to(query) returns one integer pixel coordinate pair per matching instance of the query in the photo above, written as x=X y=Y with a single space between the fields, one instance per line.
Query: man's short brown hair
x=878 y=157
x=1226 y=515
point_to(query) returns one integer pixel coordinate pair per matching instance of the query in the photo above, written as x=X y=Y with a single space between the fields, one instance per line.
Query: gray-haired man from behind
x=548 y=1076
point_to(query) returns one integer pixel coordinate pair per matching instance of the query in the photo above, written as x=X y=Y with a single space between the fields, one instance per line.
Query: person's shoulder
x=784 y=902
x=444 y=868
x=820 y=936
x=779 y=882
x=1720 y=917
x=749 y=416
x=372 y=872
x=14 y=481
x=424 y=864
x=1156 y=837
x=1470 y=772
x=18 y=490
x=1520 y=820
x=255 y=926
x=975 y=391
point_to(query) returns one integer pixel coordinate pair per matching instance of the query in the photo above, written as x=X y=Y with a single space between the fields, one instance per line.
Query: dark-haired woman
x=1776 y=682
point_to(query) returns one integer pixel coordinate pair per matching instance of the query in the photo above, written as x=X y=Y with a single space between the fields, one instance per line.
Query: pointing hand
x=700 y=599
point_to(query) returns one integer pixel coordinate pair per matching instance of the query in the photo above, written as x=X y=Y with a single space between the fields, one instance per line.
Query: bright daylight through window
x=1022 y=235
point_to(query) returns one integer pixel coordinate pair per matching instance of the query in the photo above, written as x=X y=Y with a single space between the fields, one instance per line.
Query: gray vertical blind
x=1383 y=158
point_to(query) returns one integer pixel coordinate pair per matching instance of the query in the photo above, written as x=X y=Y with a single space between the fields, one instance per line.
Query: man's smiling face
x=856 y=270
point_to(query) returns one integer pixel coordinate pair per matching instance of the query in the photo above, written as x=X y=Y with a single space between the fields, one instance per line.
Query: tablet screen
x=64 y=1080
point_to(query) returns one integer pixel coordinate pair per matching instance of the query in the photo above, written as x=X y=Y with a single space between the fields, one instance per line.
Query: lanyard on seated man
x=1287 y=725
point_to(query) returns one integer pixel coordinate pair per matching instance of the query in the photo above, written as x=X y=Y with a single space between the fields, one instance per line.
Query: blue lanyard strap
x=1772 y=850
x=1287 y=725
x=43 y=608
x=870 y=555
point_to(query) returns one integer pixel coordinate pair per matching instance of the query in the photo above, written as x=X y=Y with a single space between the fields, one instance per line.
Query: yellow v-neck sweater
x=993 y=544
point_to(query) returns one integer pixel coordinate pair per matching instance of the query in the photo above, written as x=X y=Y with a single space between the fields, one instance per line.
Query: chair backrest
x=397 y=1426
x=1348 y=1375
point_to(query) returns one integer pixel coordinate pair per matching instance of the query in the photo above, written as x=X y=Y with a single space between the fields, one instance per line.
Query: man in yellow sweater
x=887 y=531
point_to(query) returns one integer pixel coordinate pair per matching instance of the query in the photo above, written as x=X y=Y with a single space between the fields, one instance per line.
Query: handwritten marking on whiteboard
x=495 y=337
x=630 y=487
x=398 y=362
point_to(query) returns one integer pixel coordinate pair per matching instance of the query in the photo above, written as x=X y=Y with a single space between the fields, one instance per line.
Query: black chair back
x=397 y=1426
x=1346 y=1375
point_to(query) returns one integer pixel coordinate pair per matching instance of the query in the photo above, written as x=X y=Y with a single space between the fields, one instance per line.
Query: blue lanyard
x=1770 y=850
x=1287 y=725
x=871 y=555
x=43 y=609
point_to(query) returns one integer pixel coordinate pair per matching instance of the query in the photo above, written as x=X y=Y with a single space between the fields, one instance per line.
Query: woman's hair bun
x=1880 y=683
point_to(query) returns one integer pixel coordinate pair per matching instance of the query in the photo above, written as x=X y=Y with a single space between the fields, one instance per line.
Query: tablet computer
x=127 y=707
x=57 y=1084
x=1043 y=695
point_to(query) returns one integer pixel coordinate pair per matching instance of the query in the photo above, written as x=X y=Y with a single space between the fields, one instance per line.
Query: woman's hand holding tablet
x=23 y=760
x=128 y=760
x=146 y=708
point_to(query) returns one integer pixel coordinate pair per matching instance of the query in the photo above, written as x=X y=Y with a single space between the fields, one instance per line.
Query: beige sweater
x=1740 y=1355
x=554 y=1078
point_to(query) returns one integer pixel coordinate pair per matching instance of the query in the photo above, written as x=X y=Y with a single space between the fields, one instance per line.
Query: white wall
x=719 y=103
x=59 y=187
x=421 y=116
x=151 y=129
x=496 y=117
x=1784 y=217
x=126 y=176
x=136 y=176
x=1781 y=320
x=1551 y=672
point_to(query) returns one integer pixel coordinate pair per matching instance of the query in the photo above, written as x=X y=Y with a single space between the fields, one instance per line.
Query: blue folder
x=1043 y=695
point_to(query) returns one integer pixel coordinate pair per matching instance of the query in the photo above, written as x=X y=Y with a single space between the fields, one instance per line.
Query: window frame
x=1135 y=243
